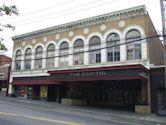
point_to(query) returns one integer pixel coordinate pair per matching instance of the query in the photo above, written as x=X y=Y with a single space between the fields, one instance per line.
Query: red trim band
x=34 y=82
x=100 y=68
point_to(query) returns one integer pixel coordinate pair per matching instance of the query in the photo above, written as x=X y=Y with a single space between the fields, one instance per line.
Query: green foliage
x=2 y=47
x=8 y=11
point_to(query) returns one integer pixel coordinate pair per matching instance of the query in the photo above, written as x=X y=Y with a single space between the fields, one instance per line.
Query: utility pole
x=163 y=16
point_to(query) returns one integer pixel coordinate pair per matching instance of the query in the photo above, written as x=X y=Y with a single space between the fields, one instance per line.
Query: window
x=98 y=58
x=27 y=63
x=78 y=52
x=113 y=49
x=18 y=60
x=133 y=48
x=38 y=57
x=95 y=51
x=64 y=54
x=50 y=56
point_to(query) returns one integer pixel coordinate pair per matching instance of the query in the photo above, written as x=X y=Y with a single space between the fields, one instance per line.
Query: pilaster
x=86 y=55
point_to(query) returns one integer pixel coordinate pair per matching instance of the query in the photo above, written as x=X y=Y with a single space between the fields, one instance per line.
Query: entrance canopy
x=124 y=72
x=38 y=80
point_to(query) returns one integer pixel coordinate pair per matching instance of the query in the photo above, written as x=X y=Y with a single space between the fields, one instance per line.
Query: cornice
x=122 y=14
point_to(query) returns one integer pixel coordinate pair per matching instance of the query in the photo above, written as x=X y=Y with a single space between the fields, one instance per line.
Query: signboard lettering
x=88 y=74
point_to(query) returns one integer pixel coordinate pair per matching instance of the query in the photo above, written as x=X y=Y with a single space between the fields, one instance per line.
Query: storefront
x=32 y=87
x=21 y=91
x=115 y=86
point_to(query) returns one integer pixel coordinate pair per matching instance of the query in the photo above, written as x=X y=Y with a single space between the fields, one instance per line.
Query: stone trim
x=122 y=14
x=143 y=109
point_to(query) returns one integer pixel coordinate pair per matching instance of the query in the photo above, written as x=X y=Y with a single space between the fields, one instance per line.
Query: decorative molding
x=28 y=46
x=94 y=34
x=113 y=31
x=23 y=43
x=33 y=41
x=137 y=27
x=71 y=33
x=86 y=30
x=77 y=37
x=57 y=36
x=103 y=27
x=45 y=39
x=63 y=40
x=51 y=42
x=37 y=45
x=121 y=23
x=19 y=48
x=118 y=15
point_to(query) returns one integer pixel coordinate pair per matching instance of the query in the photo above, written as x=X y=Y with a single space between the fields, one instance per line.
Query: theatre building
x=98 y=61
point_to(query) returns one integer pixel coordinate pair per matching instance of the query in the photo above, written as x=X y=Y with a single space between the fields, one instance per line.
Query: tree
x=6 y=11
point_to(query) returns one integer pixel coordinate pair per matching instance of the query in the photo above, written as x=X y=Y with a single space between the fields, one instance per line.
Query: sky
x=39 y=14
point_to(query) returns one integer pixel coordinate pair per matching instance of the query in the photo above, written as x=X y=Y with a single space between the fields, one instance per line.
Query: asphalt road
x=19 y=113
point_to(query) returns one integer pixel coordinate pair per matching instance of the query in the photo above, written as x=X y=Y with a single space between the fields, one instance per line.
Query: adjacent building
x=103 y=60
x=5 y=64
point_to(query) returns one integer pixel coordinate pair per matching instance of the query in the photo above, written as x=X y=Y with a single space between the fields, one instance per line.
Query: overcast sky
x=38 y=14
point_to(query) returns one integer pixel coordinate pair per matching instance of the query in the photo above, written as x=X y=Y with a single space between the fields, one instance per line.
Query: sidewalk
x=105 y=112
x=162 y=113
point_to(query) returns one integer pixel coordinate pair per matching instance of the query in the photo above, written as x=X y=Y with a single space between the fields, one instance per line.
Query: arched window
x=38 y=57
x=18 y=60
x=64 y=54
x=133 y=48
x=50 y=56
x=113 y=51
x=79 y=52
x=94 y=48
x=27 y=63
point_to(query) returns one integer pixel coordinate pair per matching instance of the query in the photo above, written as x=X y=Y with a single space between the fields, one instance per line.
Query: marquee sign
x=88 y=74
x=127 y=72
x=134 y=73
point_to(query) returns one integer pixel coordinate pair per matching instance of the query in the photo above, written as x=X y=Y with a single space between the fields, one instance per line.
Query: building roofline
x=6 y=57
x=122 y=14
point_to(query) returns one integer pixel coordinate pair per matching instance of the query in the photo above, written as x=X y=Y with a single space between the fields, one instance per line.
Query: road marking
x=40 y=118
x=89 y=116
x=129 y=123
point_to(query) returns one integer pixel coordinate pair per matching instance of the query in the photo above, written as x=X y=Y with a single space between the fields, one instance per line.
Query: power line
x=40 y=10
x=53 y=13
x=61 y=15
x=132 y=41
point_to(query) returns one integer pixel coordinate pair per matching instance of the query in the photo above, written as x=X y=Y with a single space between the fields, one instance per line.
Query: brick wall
x=5 y=60
x=155 y=46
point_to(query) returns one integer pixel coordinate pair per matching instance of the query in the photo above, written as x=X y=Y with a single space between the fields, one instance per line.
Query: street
x=15 y=111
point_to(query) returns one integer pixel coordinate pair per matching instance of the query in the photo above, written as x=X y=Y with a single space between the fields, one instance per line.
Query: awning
x=123 y=72
x=33 y=82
